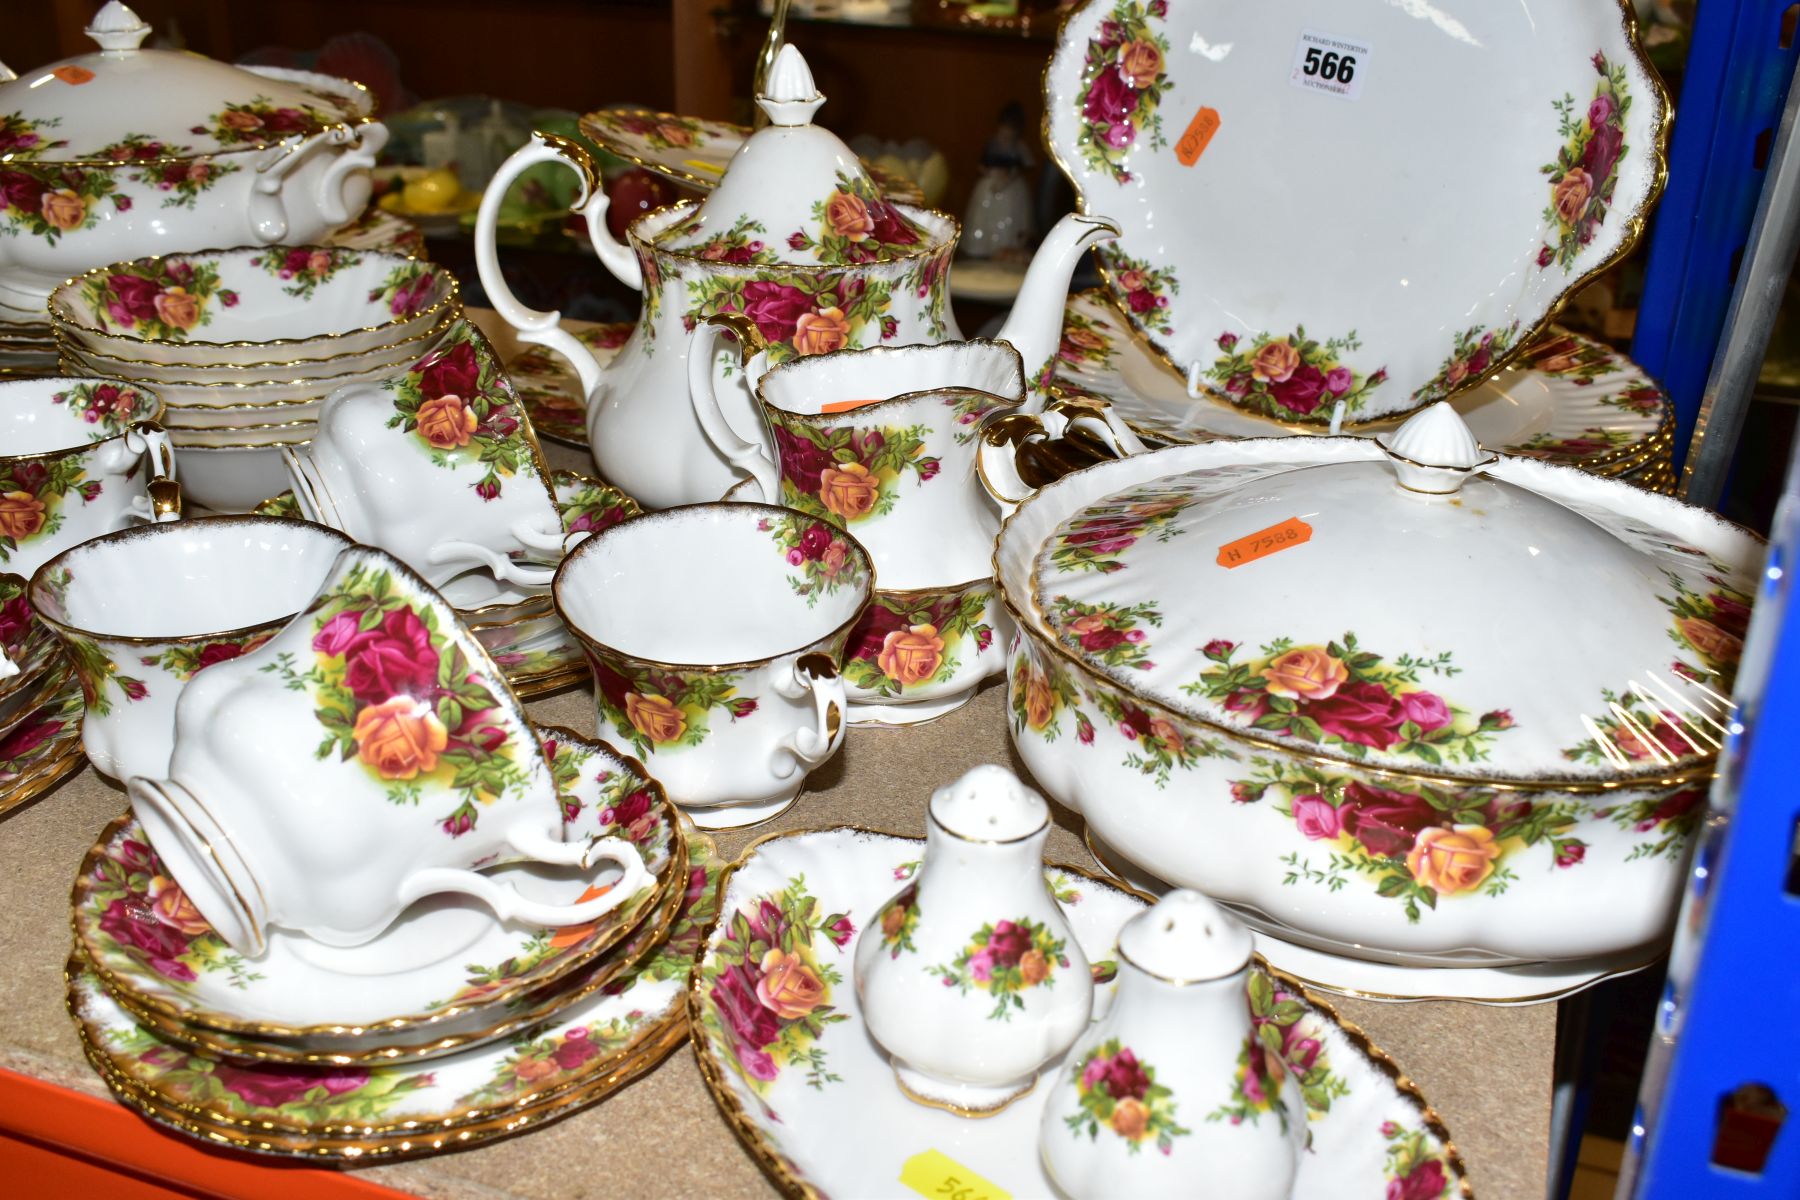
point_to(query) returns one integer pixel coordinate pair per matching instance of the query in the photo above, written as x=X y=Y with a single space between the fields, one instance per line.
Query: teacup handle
x=545 y=328
x=162 y=495
x=807 y=748
x=508 y=904
x=756 y=458
x=503 y=568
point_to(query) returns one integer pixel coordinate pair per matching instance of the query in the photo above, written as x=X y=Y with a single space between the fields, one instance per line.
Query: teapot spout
x=1035 y=325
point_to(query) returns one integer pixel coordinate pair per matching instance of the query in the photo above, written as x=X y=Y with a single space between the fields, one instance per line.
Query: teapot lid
x=1400 y=604
x=125 y=104
x=795 y=193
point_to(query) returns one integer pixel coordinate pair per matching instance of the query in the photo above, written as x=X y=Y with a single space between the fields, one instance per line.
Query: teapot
x=798 y=239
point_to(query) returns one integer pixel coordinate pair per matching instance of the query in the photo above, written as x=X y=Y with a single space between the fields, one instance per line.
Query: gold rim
x=29 y=787
x=595 y=646
x=774 y=1165
x=67 y=343
x=62 y=314
x=205 y=447
x=1634 y=225
x=851 y=414
x=154 y=415
x=259 y=1029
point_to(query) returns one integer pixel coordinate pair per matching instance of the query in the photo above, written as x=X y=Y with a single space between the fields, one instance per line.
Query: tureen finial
x=1434 y=451
x=118 y=29
x=1186 y=938
x=790 y=97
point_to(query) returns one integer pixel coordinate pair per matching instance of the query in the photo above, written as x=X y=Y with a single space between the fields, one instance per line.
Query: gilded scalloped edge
x=774 y=1165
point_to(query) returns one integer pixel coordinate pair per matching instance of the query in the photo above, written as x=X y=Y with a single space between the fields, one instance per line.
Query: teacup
x=74 y=467
x=368 y=755
x=144 y=610
x=436 y=465
x=716 y=635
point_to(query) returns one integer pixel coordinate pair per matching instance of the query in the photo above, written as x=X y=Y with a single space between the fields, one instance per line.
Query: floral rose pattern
x=1109 y=634
x=1350 y=699
x=660 y=131
x=110 y=407
x=1158 y=744
x=797 y=313
x=1712 y=625
x=588 y=506
x=1591 y=441
x=1295 y=1035
x=1418 y=845
x=406 y=290
x=159 y=298
x=654 y=708
x=167 y=168
x=1085 y=341
x=394 y=690
x=739 y=244
x=188 y=659
x=908 y=641
x=1471 y=358
x=50 y=200
x=1118 y=1093
x=1123 y=83
x=813 y=548
x=1143 y=290
x=855 y=224
x=99 y=674
x=1004 y=959
x=770 y=979
x=141 y=921
x=1256 y=1087
x=1094 y=542
x=847 y=473
x=303 y=268
x=1414 y=1167
x=1039 y=699
x=460 y=407
x=1291 y=377
x=1586 y=167
x=259 y=121
x=898 y=919
x=22 y=139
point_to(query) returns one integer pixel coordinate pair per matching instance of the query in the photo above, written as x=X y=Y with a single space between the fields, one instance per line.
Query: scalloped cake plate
x=822 y=1113
x=1359 y=203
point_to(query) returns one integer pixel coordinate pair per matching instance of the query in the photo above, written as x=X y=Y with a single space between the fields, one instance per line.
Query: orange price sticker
x=570 y=934
x=838 y=406
x=1264 y=542
x=1199 y=135
x=72 y=74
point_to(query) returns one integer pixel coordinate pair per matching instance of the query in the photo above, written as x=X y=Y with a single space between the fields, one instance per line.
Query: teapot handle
x=755 y=457
x=545 y=328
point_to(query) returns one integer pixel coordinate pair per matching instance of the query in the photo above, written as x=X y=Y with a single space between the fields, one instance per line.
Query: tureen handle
x=343 y=193
x=545 y=328
x=755 y=457
x=817 y=675
x=537 y=846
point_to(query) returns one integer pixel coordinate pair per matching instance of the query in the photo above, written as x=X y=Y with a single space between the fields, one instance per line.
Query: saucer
x=42 y=748
x=1568 y=399
x=359 y=1111
x=446 y=962
x=1499 y=987
x=814 y=1100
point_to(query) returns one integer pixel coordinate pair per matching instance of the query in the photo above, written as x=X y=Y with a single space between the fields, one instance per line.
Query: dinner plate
x=814 y=1099
x=1353 y=204
x=1567 y=399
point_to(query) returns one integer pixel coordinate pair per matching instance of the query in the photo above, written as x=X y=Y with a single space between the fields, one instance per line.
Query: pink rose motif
x=1008 y=943
x=814 y=542
x=576 y=1049
x=1363 y=713
x=1424 y=1182
x=133 y=298
x=1111 y=98
x=1385 y=822
x=1120 y=135
x=136 y=928
x=1316 y=817
x=1094 y=1072
x=395 y=658
x=776 y=308
x=1338 y=380
x=840 y=931
x=1301 y=392
x=1125 y=1077
x=272 y=1087
x=981 y=966
x=1599 y=111
x=1602 y=153
x=752 y=1025
x=23 y=192
x=1227 y=341
x=456 y=372
x=1571 y=852
x=1426 y=710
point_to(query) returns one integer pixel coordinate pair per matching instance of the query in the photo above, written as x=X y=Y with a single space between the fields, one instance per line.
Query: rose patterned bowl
x=251 y=305
x=128 y=151
x=1415 y=727
x=330 y=367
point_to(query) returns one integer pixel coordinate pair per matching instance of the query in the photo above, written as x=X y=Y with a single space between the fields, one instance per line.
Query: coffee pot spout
x=1035 y=326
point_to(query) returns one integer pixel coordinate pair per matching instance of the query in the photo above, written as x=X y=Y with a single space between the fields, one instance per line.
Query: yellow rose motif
x=1453 y=860
x=821 y=332
x=1034 y=968
x=1570 y=197
x=179 y=308
x=1141 y=63
x=1305 y=674
x=788 y=987
x=1710 y=640
x=446 y=422
x=64 y=209
x=400 y=737
x=1040 y=701
x=1130 y=1118
x=910 y=656
x=675 y=135
x=656 y=717
x=21 y=515
x=848 y=490
x=173 y=908
x=1275 y=362
x=848 y=217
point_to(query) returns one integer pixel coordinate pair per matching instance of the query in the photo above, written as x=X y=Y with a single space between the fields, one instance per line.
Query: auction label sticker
x=1199 y=134
x=73 y=74
x=1324 y=62
x=1264 y=542
x=941 y=1177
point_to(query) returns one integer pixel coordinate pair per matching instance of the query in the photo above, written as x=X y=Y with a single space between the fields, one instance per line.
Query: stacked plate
x=27 y=343
x=40 y=703
x=449 y=1030
x=244 y=345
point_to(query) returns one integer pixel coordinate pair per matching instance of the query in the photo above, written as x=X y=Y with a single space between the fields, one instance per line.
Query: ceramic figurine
x=1173 y=1094
x=970 y=978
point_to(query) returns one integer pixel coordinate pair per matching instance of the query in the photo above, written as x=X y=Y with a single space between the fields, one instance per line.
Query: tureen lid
x=1401 y=604
x=795 y=193
x=123 y=103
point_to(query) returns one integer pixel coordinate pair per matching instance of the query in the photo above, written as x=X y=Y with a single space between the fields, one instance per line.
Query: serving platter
x=789 y=1061
x=1291 y=182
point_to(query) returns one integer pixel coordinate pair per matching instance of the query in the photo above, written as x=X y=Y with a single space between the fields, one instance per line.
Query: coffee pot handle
x=807 y=748
x=755 y=457
x=508 y=904
x=545 y=328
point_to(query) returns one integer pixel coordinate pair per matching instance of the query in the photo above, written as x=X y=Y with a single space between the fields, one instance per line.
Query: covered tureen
x=1399 y=699
x=126 y=152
